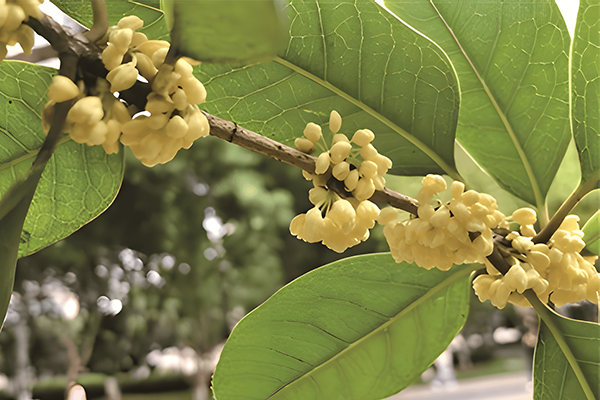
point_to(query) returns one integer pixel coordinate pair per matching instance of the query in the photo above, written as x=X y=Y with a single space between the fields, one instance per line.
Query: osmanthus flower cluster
x=457 y=232
x=12 y=29
x=555 y=270
x=173 y=119
x=347 y=173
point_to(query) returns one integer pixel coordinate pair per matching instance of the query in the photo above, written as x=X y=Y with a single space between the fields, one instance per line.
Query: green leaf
x=155 y=26
x=585 y=86
x=554 y=378
x=79 y=181
x=235 y=31
x=591 y=229
x=13 y=210
x=360 y=328
x=511 y=59
x=360 y=60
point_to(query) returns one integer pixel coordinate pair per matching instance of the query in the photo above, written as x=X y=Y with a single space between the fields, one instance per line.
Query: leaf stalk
x=547 y=318
x=584 y=188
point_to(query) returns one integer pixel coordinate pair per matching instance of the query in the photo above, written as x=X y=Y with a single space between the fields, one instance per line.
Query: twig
x=584 y=188
x=100 y=22
x=247 y=139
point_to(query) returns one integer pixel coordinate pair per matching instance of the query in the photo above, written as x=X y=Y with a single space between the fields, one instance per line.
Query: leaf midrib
x=412 y=139
x=428 y=295
x=539 y=199
x=31 y=154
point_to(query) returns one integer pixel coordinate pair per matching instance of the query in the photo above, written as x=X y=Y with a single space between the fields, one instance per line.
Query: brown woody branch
x=247 y=139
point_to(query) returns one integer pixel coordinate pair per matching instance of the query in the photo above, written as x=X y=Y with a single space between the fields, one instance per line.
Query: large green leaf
x=585 y=75
x=155 y=26
x=360 y=328
x=237 y=31
x=358 y=59
x=591 y=231
x=511 y=59
x=79 y=181
x=554 y=378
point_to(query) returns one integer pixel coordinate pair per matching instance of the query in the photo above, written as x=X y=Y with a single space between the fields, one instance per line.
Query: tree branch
x=247 y=139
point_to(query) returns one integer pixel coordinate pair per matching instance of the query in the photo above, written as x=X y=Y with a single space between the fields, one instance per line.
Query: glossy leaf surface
x=591 y=230
x=553 y=377
x=511 y=58
x=359 y=328
x=155 y=26
x=585 y=75
x=79 y=181
x=237 y=31
x=358 y=59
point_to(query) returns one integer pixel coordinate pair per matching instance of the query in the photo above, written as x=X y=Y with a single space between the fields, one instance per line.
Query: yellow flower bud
x=87 y=110
x=151 y=46
x=145 y=65
x=121 y=38
x=194 y=90
x=176 y=127
x=367 y=210
x=304 y=145
x=525 y=216
x=368 y=169
x=312 y=132
x=363 y=137
x=322 y=164
x=369 y=152
x=317 y=196
x=131 y=22
x=364 y=189
x=434 y=183
x=469 y=197
x=158 y=58
x=351 y=180
x=340 y=171
x=122 y=78
x=15 y=16
x=26 y=37
x=343 y=215
x=112 y=57
x=31 y=8
x=297 y=225
x=137 y=39
x=440 y=218
x=335 y=122
x=158 y=104
x=62 y=89
x=516 y=278
x=340 y=151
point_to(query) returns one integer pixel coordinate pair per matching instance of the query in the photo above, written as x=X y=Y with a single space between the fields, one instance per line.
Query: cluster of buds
x=12 y=29
x=92 y=120
x=555 y=270
x=355 y=163
x=458 y=232
x=174 y=121
x=347 y=173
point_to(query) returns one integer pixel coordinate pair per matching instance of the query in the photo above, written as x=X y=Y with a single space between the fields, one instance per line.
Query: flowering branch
x=247 y=139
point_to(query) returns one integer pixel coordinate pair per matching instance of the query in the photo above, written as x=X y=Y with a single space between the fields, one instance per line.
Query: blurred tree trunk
x=112 y=389
x=200 y=389
x=23 y=373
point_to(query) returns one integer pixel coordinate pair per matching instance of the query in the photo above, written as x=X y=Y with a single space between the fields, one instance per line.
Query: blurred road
x=511 y=386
